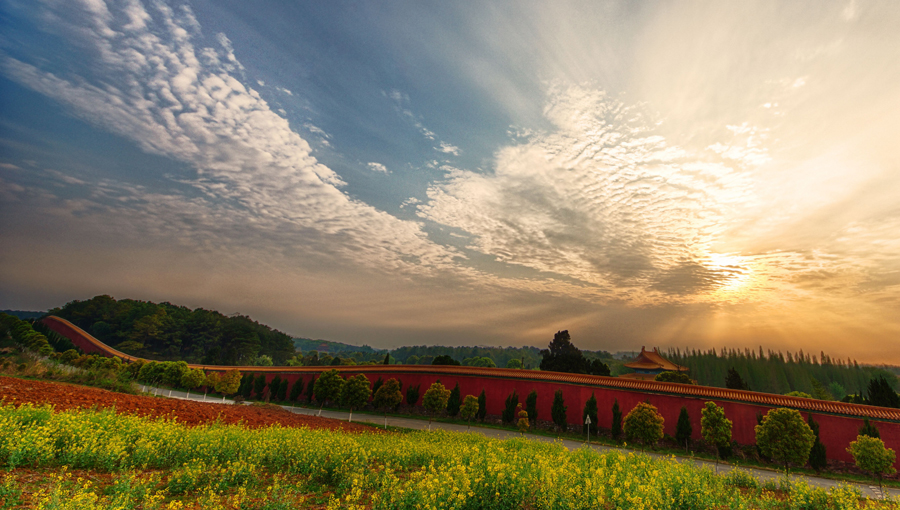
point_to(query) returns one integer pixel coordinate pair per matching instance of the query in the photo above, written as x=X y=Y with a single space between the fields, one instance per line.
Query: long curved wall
x=839 y=422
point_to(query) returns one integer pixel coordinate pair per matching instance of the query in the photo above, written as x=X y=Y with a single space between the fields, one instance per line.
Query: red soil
x=67 y=396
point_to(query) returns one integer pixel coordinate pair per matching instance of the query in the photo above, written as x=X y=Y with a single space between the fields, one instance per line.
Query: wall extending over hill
x=839 y=422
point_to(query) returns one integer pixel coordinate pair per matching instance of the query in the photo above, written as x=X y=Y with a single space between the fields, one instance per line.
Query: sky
x=671 y=174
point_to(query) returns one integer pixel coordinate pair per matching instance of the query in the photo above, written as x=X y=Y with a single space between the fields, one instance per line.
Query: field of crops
x=64 y=460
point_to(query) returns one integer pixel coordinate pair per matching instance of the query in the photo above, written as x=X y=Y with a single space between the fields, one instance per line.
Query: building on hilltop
x=648 y=364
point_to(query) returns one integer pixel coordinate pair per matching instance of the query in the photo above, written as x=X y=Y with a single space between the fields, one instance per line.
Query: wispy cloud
x=152 y=84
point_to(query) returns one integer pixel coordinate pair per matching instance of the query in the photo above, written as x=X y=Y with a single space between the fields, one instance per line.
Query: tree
x=263 y=361
x=482 y=407
x=453 y=401
x=817 y=457
x=336 y=361
x=531 y=406
x=328 y=387
x=558 y=411
x=310 y=390
x=469 y=409
x=435 y=400
x=683 y=429
x=734 y=381
x=598 y=367
x=509 y=411
x=259 y=384
x=562 y=356
x=870 y=455
x=193 y=378
x=615 y=429
x=643 y=424
x=675 y=377
x=590 y=409
x=355 y=392
x=274 y=384
x=881 y=394
x=445 y=359
x=229 y=383
x=715 y=428
x=246 y=386
x=297 y=390
x=514 y=363
x=387 y=359
x=869 y=430
x=785 y=437
x=388 y=396
x=522 y=424
x=378 y=383
x=412 y=395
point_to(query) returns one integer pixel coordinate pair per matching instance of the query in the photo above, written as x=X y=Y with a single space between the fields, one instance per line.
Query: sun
x=737 y=274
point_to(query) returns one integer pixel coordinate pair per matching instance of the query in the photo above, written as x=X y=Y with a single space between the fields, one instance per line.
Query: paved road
x=762 y=475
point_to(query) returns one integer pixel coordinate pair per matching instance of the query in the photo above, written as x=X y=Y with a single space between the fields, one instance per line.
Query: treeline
x=776 y=372
x=169 y=332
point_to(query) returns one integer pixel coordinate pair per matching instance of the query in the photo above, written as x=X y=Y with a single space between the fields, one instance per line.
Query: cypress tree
x=869 y=430
x=482 y=406
x=296 y=390
x=531 y=407
x=590 y=409
x=616 y=428
x=248 y=386
x=377 y=385
x=683 y=429
x=817 y=457
x=310 y=390
x=282 y=390
x=259 y=384
x=453 y=402
x=412 y=395
x=274 y=386
x=558 y=411
x=509 y=413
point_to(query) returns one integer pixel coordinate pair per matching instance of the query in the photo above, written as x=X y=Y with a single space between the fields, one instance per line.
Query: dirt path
x=67 y=396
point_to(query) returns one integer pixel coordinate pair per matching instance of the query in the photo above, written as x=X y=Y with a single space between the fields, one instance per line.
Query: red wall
x=835 y=430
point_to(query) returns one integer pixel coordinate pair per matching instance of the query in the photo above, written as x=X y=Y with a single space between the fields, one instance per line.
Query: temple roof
x=651 y=360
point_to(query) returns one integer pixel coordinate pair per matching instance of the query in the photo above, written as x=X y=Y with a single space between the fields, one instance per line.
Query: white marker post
x=587 y=421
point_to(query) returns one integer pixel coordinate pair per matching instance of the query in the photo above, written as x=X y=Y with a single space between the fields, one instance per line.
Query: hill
x=24 y=314
x=169 y=332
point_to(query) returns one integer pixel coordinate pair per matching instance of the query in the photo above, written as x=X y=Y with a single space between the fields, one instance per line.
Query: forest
x=820 y=376
x=169 y=332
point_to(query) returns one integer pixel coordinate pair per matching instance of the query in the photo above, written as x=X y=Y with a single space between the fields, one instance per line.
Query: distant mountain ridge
x=308 y=344
x=24 y=314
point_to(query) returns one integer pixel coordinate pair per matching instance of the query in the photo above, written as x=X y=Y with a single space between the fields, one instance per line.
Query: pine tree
x=531 y=407
x=558 y=411
x=817 y=457
x=683 y=429
x=453 y=402
x=590 y=409
x=734 y=381
x=274 y=385
x=482 y=407
x=259 y=385
x=616 y=428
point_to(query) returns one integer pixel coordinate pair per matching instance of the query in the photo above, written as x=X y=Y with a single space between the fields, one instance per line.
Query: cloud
x=449 y=149
x=154 y=85
x=378 y=167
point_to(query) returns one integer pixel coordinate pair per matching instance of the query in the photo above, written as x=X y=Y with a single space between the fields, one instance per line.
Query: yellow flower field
x=163 y=464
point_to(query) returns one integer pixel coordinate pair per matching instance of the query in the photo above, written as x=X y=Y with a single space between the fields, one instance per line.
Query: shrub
x=675 y=377
x=643 y=424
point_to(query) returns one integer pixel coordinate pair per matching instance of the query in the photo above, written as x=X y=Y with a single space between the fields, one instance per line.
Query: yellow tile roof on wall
x=685 y=390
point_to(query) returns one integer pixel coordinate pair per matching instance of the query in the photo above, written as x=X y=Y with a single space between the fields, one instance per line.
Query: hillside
x=169 y=332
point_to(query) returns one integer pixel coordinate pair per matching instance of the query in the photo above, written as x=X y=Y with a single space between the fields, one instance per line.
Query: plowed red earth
x=67 y=396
